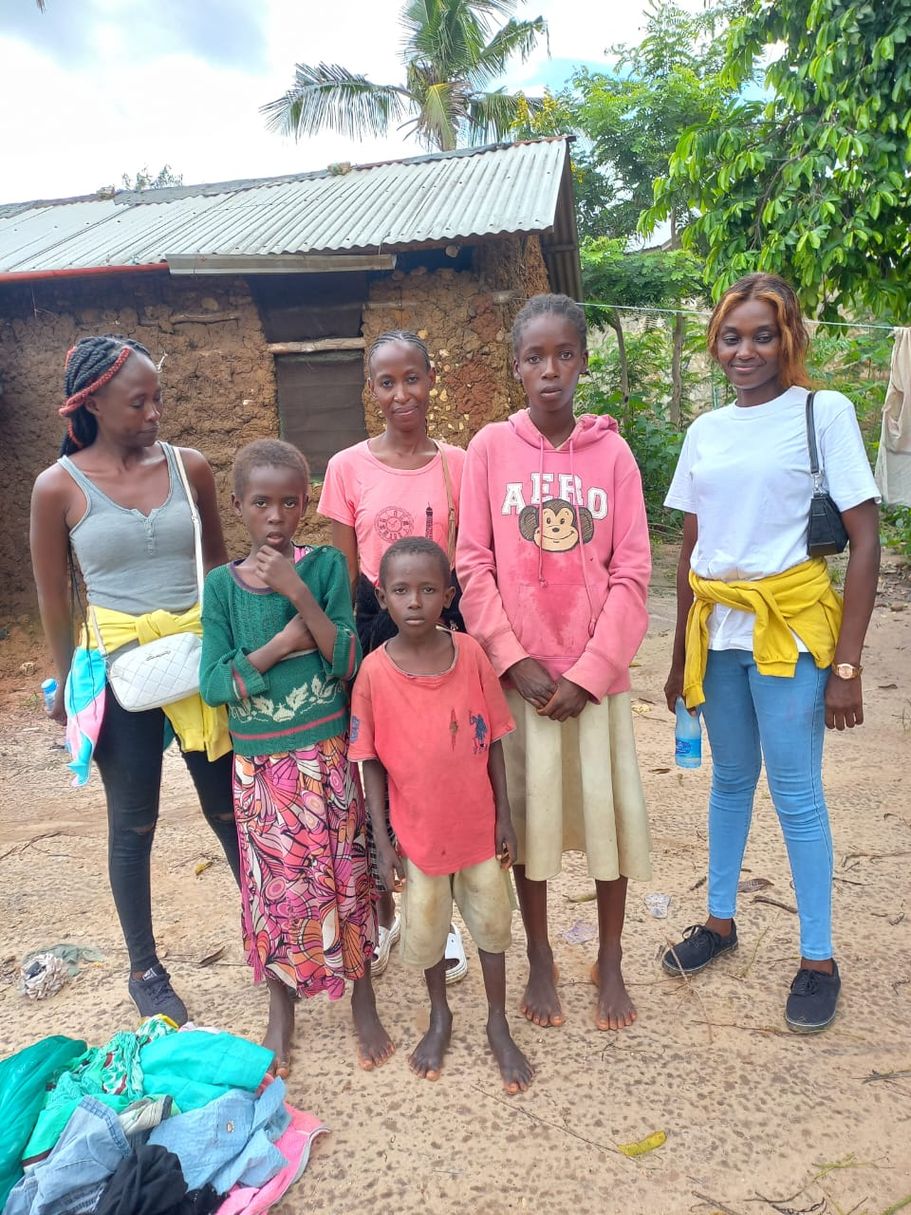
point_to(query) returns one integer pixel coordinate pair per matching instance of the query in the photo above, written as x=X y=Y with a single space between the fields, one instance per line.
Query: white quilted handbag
x=157 y=673
x=166 y=669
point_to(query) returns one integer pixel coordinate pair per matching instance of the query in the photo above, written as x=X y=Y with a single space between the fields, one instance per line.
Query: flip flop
x=455 y=949
x=385 y=939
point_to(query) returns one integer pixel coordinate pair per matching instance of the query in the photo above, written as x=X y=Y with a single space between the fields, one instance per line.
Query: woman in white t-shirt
x=400 y=483
x=762 y=642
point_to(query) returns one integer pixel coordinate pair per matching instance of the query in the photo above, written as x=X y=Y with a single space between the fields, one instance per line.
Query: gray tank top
x=133 y=562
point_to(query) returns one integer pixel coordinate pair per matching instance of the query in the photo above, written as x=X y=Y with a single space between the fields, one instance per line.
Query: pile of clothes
x=157 y=1122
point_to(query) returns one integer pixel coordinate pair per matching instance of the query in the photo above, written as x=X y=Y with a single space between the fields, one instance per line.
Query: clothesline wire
x=703 y=312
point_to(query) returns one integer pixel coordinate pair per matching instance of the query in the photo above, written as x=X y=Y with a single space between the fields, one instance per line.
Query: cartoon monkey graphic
x=561 y=526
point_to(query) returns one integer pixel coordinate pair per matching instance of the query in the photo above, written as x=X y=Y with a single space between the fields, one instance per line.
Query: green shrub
x=643 y=420
x=857 y=362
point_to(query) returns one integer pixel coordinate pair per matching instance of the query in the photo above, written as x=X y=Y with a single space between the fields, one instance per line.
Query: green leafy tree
x=629 y=121
x=143 y=179
x=453 y=53
x=813 y=182
x=642 y=415
x=649 y=278
x=631 y=118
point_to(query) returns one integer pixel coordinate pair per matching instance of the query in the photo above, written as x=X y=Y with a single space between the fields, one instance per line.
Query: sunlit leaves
x=812 y=181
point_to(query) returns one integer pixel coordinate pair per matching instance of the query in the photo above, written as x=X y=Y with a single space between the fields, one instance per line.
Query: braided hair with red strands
x=90 y=364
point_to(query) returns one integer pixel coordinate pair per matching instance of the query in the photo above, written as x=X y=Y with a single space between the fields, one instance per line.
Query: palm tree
x=452 y=54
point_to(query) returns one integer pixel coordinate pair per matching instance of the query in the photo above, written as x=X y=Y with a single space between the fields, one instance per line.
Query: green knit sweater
x=302 y=699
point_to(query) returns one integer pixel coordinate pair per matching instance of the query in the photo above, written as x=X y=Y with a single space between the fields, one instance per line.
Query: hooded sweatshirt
x=553 y=554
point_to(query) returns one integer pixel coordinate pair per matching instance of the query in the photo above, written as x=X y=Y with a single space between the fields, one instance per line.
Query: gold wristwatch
x=845 y=670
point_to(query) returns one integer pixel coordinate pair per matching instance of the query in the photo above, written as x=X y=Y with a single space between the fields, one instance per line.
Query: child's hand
x=297 y=636
x=390 y=867
x=532 y=682
x=277 y=571
x=567 y=701
x=506 y=840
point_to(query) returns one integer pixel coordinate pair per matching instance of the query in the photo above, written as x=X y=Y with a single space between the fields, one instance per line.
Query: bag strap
x=95 y=629
x=197 y=522
x=450 y=506
x=811 y=444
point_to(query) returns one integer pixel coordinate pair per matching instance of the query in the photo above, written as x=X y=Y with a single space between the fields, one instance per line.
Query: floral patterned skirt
x=308 y=912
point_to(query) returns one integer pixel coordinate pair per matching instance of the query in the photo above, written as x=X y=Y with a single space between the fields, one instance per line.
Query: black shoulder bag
x=825 y=530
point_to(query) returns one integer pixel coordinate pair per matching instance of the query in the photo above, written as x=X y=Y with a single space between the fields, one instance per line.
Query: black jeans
x=128 y=755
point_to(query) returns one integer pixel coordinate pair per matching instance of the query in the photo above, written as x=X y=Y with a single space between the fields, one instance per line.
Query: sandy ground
x=756 y=1119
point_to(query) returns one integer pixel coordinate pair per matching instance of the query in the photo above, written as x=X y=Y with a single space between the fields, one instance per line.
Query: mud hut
x=261 y=296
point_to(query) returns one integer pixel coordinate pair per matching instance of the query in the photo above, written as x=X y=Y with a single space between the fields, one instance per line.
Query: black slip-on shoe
x=154 y=994
x=699 y=947
x=813 y=1000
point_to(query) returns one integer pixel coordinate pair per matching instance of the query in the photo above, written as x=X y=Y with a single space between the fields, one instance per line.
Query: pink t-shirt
x=432 y=734
x=384 y=504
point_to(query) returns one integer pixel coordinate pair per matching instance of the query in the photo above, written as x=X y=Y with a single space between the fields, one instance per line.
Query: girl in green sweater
x=279 y=642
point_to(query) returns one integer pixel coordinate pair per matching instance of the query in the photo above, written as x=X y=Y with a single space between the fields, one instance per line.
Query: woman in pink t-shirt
x=399 y=483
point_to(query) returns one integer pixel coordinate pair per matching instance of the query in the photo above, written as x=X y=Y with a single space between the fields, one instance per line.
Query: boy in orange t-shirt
x=427 y=715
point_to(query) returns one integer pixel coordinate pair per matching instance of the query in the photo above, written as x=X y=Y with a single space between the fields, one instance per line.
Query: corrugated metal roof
x=432 y=199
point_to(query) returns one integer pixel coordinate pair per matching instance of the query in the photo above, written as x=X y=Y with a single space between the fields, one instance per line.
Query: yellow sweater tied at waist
x=800 y=600
x=197 y=725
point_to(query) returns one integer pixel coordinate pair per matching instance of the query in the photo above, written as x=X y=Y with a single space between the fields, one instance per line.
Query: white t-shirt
x=744 y=472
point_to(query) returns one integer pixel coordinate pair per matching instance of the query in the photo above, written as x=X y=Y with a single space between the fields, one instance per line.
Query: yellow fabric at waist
x=800 y=600
x=197 y=725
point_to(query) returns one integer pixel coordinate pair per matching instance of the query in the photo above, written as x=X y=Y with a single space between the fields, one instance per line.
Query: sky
x=93 y=89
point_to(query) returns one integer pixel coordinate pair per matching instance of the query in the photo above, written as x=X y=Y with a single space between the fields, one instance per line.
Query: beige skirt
x=575 y=786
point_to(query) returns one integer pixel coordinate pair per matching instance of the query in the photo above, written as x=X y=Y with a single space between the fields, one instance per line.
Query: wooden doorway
x=320 y=402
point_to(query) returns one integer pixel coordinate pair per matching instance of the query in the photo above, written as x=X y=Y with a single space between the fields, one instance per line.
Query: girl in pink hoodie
x=554 y=562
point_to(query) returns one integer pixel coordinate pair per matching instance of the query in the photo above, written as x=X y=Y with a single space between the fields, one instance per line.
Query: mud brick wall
x=218 y=374
x=465 y=317
x=218 y=379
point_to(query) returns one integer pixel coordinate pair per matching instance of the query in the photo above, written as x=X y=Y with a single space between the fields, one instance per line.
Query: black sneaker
x=813 y=1000
x=699 y=947
x=153 y=994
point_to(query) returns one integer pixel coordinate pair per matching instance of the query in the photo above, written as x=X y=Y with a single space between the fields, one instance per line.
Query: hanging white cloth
x=893 y=463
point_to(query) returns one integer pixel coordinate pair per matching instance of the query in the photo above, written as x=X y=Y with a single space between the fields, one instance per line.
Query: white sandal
x=455 y=949
x=385 y=939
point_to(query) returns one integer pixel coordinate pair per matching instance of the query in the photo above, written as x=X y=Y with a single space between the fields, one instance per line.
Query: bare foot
x=615 y=1009
x=280 y=1028
x=541 y=1004
x=515 y=1069
x=426 y=1060
x=374 y=1046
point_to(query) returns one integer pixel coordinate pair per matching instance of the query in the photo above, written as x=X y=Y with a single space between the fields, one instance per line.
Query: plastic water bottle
x=687 y=737
x=49 y=694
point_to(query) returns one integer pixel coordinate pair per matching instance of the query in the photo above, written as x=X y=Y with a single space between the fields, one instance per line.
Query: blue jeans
x=751 y=717
x=71 y=1180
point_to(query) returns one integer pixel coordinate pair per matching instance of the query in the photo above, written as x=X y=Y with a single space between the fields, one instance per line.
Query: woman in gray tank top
x=115 y=502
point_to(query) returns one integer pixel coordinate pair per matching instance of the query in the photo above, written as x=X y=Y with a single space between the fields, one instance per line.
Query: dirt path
x=751 y=1112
